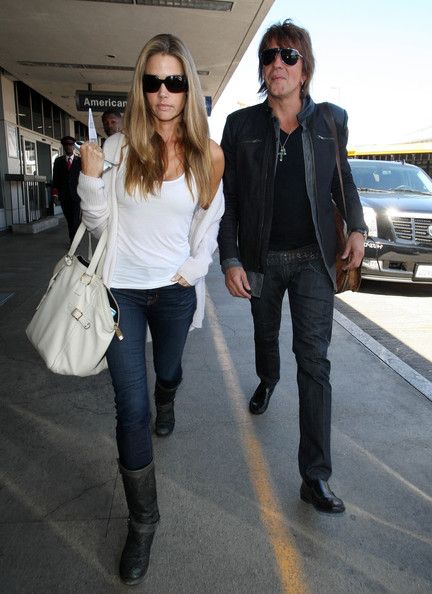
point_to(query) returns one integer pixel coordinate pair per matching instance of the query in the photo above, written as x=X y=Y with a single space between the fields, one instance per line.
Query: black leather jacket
x=250 y=143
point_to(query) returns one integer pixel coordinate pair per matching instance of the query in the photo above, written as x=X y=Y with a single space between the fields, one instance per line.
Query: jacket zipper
x=266 y=157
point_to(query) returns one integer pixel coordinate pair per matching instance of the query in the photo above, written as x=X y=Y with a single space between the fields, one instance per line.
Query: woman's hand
x=92 y=159
x=180 y=280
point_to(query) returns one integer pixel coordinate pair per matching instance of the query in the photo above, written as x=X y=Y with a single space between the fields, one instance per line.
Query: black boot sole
x=257 y=411
x=132 y=582
x=163 y=432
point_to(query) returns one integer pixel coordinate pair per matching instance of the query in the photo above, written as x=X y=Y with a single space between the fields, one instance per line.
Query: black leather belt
x=307 y=252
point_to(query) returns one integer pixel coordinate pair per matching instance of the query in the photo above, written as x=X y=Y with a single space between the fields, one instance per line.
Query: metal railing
x=28 y=199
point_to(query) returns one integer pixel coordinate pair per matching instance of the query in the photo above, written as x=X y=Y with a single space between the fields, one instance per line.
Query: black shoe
x=260 y=400
x=318 y=493
x=164 y=401
x=165 y=420
x=135 y=557
x=141 y=497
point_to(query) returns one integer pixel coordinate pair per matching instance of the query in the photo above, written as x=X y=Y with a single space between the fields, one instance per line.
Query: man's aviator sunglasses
x=174 y=83
x=289 y=55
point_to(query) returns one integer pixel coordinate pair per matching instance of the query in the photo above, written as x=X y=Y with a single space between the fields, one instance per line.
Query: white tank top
x=153 y=234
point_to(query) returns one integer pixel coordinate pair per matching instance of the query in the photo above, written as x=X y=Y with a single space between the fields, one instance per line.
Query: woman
x=162 y=202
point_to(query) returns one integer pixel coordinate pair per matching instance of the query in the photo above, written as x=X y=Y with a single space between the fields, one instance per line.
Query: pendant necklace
x=282 y=150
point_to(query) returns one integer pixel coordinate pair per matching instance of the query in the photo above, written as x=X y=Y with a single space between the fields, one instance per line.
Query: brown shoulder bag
x=346 y=280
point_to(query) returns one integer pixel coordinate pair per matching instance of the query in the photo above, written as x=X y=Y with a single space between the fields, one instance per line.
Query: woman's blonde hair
x=147 y=157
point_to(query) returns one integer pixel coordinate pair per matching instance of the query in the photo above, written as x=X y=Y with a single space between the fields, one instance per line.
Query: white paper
x=91 y=127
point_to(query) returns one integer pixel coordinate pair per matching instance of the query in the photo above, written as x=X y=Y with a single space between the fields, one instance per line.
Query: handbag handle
x=97 y=255
x=329 y=118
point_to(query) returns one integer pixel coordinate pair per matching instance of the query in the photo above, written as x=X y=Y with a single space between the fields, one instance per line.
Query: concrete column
x=9 y=147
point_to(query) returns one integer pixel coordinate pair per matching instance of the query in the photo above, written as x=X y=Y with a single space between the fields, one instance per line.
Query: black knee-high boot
x=141 y=497
x=165 y=420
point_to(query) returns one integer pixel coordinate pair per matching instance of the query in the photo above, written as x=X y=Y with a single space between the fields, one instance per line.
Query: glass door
x=55 y=152
x=30 y=187
x=30 y=160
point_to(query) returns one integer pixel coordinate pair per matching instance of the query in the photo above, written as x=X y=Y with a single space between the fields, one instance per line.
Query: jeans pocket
x=184 y=295
x=318 y=266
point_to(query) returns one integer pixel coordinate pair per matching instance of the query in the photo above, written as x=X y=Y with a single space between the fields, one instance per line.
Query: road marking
x=415 y=379
x=371 y=518
x=383 y=466
x=287 y=557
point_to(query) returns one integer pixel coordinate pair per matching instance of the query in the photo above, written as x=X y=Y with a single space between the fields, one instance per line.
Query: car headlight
x=370 y=220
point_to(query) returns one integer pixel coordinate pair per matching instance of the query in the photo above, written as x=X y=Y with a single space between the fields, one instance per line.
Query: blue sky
x=374 y=58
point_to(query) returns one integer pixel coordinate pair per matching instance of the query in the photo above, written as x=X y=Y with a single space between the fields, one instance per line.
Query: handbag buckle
x=86 y=278
x=78 y=314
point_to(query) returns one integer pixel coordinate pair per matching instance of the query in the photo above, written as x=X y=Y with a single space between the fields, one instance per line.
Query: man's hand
x=92 y=159
x=237 y=282
x=354 y=250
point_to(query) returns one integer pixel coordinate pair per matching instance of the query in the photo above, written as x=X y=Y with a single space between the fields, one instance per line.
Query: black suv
x=397 y=206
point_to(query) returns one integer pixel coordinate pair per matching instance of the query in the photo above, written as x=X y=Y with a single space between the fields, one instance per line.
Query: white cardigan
x=100 y=209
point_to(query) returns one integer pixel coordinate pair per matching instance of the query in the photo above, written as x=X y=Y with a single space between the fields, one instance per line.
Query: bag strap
x=77 y=239
x=89 y=248
x=329 y=118
x=97 y=255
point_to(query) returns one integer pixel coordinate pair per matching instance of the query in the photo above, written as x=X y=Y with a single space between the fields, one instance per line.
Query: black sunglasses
x=289 y=55
x=175 y=83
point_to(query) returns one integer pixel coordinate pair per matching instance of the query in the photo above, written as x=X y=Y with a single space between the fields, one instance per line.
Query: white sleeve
x=93 y=191
x=204 y=240
x=94 y=202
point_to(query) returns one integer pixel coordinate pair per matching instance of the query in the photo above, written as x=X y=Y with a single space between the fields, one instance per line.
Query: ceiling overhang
x=60 y=47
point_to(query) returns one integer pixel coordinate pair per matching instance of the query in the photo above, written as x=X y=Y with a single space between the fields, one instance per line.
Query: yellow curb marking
x=287 y=557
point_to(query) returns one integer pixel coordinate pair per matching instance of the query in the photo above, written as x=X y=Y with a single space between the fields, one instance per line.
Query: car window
x=422 y=182
x=392 y=177
x=388 y=179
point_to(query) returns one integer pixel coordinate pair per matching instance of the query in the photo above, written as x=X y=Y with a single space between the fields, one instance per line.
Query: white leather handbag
x=77 y=317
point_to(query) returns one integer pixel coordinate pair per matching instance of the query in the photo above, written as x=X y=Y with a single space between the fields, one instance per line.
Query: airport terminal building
x=58 y=59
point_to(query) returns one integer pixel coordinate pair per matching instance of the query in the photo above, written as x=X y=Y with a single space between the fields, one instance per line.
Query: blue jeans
x=168 y=311
x=311 y=299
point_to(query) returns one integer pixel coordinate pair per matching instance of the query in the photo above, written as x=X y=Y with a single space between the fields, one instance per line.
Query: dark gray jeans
x=310 y=291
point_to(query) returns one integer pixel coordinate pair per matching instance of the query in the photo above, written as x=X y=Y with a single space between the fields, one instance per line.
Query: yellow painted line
x=287 y=557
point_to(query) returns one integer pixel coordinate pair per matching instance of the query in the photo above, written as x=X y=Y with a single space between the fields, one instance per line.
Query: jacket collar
x=306 y=110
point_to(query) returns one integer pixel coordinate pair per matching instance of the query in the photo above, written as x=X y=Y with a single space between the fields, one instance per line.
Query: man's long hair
x=147 y=156
x=287 y=34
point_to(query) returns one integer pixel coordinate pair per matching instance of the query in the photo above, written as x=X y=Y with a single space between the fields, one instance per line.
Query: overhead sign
x=100 y=100
x=103 y=100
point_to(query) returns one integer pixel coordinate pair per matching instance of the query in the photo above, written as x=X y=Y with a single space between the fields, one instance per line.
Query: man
x=278 y=234
x=112 y=122
x=64 y=185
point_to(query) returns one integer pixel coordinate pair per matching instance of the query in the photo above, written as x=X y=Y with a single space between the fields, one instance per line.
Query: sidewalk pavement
x=228 y=482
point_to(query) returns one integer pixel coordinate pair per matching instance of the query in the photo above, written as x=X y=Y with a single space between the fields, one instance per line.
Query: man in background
x=112 y=122
x=64 y=185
